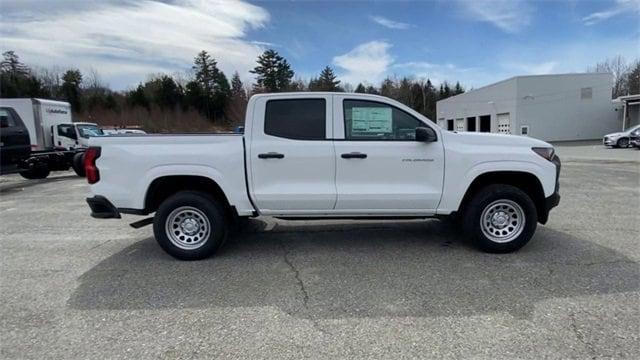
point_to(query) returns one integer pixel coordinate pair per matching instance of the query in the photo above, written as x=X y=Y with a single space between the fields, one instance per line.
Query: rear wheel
x=190 y=225
x=35 y=173
x=78 y=164
x=500 y=218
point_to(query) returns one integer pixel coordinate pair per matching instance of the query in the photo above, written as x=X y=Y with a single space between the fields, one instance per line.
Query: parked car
x=634 y=138
x=324 y=155
x=123 y=131
x=619 y=139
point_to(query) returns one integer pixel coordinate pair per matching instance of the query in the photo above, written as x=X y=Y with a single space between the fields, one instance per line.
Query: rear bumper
x=101 y=208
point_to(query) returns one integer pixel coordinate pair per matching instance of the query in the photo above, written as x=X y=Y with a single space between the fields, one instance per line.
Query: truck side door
x=380 y=167
x=290 y=156
x=65 y=136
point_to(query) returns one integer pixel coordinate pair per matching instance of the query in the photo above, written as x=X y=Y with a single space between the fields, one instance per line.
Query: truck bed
x=129 y=163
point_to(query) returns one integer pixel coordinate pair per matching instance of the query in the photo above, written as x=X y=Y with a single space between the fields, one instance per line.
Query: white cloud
x=391 y=24
x=620 y=7
x=368 y=62
x=122 y=39
x=543 y=68
x=508 y=15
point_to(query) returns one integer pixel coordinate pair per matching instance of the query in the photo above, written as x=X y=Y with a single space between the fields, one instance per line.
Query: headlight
x=545 y=152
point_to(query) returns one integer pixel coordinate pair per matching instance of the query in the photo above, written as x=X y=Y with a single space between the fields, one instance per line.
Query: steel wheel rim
x=187 y=228
x=502 y=221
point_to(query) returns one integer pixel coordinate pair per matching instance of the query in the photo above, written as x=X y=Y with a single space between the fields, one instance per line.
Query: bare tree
x=619 y=68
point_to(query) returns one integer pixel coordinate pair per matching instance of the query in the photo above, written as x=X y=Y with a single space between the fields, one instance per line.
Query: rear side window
x=299 y=119
x=6 y=120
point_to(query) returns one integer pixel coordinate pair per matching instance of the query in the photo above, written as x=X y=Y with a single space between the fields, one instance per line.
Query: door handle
x=354 y=155
x=271 y=155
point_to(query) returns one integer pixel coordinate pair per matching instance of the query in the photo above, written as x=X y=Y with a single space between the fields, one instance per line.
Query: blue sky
x=474 y=42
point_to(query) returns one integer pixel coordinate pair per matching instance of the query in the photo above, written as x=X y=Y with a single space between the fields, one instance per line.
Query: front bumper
x=554 y=199
x=606 y=141
x=101 y=208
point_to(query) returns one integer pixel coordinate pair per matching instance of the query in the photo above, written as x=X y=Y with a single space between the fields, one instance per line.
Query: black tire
x=196 y=206
x=623 y=143
x=35 y=173
x=78 y=164
x=499 y=200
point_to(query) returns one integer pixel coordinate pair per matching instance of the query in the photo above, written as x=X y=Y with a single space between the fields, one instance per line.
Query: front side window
x=370 y=120
x=66 y=130
x=298 y=119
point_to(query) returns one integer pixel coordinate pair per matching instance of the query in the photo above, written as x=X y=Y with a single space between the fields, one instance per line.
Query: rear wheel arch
x=525 y=181
x=164 y=187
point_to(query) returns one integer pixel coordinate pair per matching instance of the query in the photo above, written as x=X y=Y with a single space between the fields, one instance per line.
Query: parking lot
x=76 y=287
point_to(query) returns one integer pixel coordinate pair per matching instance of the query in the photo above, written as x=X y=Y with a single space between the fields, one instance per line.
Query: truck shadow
x=358 y=270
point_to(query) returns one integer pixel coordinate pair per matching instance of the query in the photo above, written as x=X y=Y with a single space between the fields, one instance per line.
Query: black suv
x=14 y=140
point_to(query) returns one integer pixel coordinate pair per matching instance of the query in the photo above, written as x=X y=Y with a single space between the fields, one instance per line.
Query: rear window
x=299 y=119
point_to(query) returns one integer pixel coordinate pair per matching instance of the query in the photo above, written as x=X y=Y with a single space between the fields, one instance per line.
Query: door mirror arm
x=426 y=134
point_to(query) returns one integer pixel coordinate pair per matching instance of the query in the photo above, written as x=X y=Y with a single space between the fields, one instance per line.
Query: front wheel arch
x=526 y=182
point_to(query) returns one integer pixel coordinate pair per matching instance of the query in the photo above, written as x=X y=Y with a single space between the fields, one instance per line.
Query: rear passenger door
x=291 y=157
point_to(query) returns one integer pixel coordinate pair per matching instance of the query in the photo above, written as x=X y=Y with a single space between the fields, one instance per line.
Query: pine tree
x=371 y=90
x=137 y=97
x=11 y=64
x=458 y=89
x=237 y=103
x=326 y=82
x=71 y=81
x=16 y=79
x=237 y=88
x=210 y=90
x=360 y=88
x=273 y=72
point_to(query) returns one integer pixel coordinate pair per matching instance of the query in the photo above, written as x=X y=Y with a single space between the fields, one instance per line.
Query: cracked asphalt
x=77 y=287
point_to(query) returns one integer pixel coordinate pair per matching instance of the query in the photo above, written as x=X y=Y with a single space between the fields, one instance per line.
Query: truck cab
x=75 y=135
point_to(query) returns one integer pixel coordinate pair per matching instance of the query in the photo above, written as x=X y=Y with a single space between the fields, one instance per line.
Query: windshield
x=633 y=128
x=87 y=131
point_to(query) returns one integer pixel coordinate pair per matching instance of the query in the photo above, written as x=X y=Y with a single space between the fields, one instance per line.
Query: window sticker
x=373 y=120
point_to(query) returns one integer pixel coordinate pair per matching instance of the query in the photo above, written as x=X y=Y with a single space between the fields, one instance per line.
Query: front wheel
x=500 y=218
x=623 y=143
x=190 y=225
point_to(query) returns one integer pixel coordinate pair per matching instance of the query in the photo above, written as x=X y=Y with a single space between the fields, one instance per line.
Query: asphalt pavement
x=76 y=287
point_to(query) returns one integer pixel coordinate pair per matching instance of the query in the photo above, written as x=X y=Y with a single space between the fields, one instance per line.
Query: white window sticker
x=371 y=120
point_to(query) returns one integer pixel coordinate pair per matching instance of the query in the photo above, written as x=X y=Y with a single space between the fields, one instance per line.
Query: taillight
x=90 y=169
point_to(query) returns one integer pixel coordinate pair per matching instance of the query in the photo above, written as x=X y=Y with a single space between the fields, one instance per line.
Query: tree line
x=207 y=89
x=208 y=92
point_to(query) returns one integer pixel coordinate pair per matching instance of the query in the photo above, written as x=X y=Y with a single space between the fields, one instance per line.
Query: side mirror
x=426 y=134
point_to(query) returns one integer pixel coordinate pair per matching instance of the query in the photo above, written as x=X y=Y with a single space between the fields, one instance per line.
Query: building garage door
x=459 y=124
x=504 y=123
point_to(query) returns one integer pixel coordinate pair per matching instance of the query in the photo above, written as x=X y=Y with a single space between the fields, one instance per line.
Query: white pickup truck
x=324 y=155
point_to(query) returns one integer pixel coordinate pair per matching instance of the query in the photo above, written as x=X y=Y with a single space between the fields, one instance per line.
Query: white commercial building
x=548 y=107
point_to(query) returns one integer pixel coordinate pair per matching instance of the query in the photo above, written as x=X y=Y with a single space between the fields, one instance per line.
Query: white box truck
x=54 y=141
